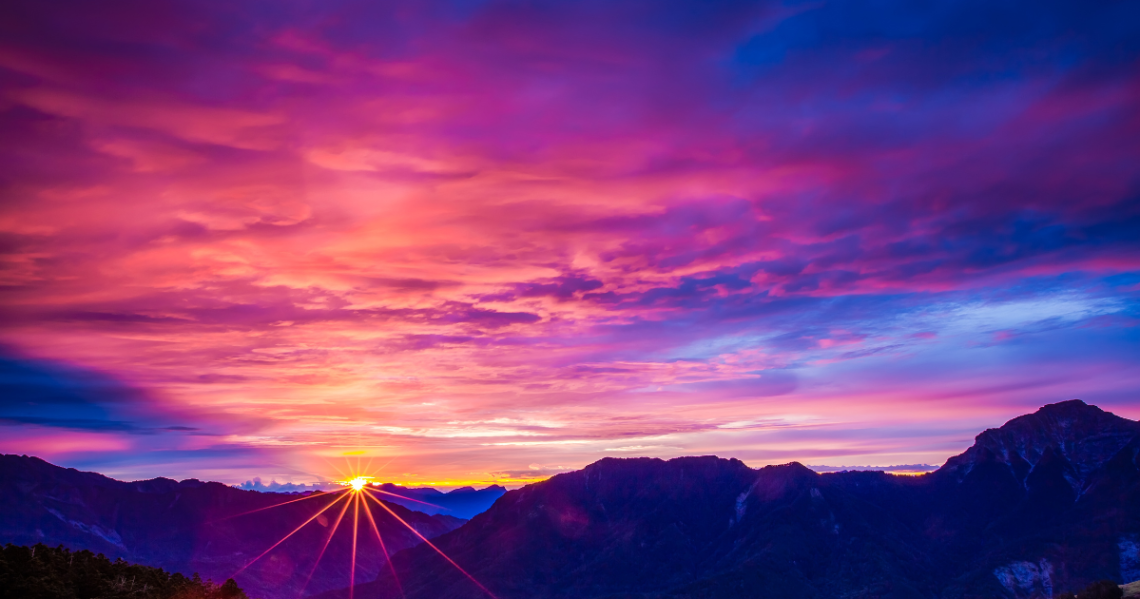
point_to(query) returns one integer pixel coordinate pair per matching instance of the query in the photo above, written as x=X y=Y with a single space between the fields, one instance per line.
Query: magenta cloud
x=473 y=237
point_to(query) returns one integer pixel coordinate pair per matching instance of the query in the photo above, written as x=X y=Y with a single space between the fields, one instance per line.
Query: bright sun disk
x=358 y=483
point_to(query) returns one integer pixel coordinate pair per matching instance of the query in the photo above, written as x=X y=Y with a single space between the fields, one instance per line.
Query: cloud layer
x=495 y=240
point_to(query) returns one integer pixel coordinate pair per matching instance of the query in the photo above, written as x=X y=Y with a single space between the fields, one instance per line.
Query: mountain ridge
x=1046 y=429
x=1049 y=501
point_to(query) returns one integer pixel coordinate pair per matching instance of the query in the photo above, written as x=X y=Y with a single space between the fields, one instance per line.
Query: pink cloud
x=452 y=231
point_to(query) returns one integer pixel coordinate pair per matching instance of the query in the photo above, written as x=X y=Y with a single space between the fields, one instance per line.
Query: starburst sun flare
x=360 y=495
x=358 y=483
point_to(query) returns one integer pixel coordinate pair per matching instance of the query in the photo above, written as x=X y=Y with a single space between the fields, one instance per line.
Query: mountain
x=193 y=526
x=464 y=502
x=1049 y=502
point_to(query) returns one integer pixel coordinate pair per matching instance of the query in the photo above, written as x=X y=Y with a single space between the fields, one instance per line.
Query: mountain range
x=194 y=526
x=1047 y=503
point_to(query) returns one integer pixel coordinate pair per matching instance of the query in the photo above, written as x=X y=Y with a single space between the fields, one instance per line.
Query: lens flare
x=432 y=545
x=357 y=483
x=358 y=494
x=321 y=553
x=294 y=531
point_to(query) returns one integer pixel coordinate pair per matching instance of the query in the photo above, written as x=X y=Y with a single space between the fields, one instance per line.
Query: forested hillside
x=43 y=572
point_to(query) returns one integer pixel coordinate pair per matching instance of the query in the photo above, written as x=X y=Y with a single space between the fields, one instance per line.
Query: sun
x=358 y=483
x=360 y=495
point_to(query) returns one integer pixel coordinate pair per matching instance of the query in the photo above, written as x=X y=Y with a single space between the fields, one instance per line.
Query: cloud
x=40 y=392
x=223 y=126
x=488 y=236
x=256 y=484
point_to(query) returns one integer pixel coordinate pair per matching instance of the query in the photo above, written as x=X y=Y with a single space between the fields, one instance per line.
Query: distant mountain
x=464 y=502
x=192 y=526
x=899 y=469
x=1047 y=503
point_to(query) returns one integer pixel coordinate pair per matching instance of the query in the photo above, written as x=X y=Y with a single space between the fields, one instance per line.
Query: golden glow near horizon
x=357 y=483
x=478 y=483
x=360 y=466
x=362 y=494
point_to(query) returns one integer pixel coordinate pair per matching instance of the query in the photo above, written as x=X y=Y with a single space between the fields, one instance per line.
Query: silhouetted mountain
x=464 y=502
x=1048 y=502
x=190 y=526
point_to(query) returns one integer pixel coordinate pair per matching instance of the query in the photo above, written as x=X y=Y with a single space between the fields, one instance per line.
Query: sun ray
x=381 y=469
x=359 y=489
x=355 y=529
x=430 y=544
x=384 y=548
x=303 y=524
x=332 y=532
x=261 y=509
x=374 y=489
x=334 y=467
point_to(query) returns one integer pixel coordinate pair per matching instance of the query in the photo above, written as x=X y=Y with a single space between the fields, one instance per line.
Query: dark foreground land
x=42 y=572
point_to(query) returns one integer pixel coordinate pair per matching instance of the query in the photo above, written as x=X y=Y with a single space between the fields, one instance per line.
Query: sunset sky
x=493 y=241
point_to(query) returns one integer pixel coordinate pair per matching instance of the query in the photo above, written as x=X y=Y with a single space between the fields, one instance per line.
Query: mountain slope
x=1049 y=501
x=190 y=526
x=464 y=502
x=42 y=572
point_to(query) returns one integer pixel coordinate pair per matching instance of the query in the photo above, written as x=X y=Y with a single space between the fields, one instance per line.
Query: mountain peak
x=1084 y=436
x=709 y=527
x=1070 y=404
x=1066 y=410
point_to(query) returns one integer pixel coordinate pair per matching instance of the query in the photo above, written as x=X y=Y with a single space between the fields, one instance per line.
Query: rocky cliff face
x=1046 y=503
x=1070 y=440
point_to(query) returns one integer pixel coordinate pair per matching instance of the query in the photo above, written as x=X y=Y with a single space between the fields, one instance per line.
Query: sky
x=466 y=242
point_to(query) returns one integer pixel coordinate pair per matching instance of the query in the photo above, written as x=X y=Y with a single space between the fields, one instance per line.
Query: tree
x=230 y=590
x=1102 y=589
x=43 y=572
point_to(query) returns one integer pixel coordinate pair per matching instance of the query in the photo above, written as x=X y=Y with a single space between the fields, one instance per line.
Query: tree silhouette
x=1101 y=589
x=43 y=572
